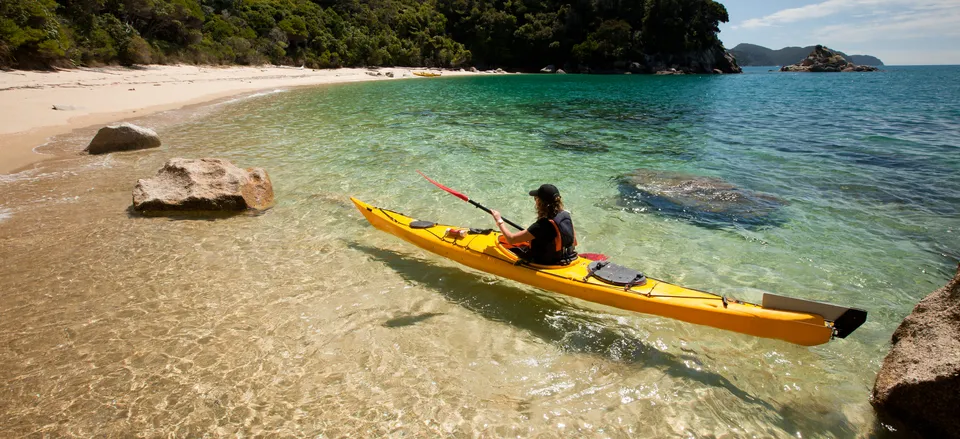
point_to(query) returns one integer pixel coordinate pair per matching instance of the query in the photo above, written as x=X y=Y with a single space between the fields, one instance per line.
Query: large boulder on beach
x=122 y=137
x=919 y=382
x=203 y=185
x=705 y=201
x=822 y=59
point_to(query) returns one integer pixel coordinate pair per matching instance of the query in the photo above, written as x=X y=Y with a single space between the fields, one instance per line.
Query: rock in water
x=822 y=59
x=919 y=382
x=122 y=137
x=203 y=185
x=706 y=201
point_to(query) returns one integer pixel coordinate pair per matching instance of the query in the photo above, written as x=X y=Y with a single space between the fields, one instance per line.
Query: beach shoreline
x=37 y=105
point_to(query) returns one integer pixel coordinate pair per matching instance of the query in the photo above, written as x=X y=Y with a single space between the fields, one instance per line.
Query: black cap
x=546 y=192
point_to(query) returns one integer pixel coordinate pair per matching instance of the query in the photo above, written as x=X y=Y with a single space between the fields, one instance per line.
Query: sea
x=305 y=321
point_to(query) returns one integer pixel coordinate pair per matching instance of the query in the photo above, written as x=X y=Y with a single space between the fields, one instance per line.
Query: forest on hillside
x=516 y=34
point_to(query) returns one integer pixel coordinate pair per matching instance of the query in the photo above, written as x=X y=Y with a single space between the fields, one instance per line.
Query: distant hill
x=865 y=60
x=754 y=55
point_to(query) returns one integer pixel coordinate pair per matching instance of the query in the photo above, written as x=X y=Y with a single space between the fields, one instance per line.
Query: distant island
x=822 y=59
x=754 y=55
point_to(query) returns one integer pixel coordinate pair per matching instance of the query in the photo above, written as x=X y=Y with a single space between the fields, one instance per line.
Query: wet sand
x=35 y=106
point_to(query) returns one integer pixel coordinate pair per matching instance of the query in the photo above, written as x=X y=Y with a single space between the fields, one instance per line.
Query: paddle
x=591 y=256
x=467 y=199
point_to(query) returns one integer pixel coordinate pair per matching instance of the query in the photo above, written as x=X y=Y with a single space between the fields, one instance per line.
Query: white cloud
x=808 y=12
x=927 y=20
x=862 y=8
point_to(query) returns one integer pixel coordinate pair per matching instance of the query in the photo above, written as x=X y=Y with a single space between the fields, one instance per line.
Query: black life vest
x=565 y=240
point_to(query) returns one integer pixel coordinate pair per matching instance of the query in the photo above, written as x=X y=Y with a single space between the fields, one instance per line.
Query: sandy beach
x=36 y=105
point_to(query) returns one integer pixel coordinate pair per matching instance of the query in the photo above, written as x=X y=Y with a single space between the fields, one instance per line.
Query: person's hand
x=496 y=216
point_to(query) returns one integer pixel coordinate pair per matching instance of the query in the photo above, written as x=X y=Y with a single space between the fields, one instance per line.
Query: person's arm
x=511 y=237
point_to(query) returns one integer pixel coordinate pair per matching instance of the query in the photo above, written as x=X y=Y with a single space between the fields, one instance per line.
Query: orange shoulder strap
x=559 y=238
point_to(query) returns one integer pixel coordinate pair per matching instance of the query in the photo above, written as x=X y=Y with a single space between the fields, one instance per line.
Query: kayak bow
x=796 y=321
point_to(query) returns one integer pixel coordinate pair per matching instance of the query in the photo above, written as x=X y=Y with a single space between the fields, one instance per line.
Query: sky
x=899 y=32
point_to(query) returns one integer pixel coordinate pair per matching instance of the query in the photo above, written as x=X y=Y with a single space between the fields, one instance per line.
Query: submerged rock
x=706 y=201
x=822 y=59
x=203 y=185
x=122 y=137
x=919 y=382
x=577 y=144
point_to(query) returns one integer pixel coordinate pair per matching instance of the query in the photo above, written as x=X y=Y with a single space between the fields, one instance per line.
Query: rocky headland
x=713 y=60
x=822 y=59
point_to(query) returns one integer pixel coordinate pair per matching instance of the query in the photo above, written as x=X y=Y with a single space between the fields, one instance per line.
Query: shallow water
x=306 y=321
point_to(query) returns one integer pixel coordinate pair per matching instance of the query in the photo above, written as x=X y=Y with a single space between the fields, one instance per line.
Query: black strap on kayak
x=592 y=269
x=388 y=212
x=639 y=280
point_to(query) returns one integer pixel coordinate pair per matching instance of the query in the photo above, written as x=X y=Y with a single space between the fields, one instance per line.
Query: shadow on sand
x=557 y=321
x=193 y=215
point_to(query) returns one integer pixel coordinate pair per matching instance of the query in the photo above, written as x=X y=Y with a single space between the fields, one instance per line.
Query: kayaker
x=552 y=239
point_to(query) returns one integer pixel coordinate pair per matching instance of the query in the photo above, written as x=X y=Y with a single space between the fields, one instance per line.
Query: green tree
x=30 y=31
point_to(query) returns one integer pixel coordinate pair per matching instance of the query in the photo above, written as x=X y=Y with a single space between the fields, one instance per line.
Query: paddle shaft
x=480 y=206
x=467 y=199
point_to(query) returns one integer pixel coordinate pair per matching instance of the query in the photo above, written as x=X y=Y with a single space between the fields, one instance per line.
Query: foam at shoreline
x=254 y=96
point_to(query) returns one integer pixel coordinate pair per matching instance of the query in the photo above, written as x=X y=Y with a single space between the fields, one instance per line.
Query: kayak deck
x=482 y=250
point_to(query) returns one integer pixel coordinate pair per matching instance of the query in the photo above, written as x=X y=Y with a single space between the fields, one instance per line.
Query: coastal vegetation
x=517 y=34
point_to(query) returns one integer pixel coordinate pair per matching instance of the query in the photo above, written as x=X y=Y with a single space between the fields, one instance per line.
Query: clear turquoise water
x=868 y=163
x=352 y=331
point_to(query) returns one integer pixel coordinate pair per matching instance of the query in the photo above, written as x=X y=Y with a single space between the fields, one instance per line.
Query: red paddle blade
x=594 y=256
x=453 y=192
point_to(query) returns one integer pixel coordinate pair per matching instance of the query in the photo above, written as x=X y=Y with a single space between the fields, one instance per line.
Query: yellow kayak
x=797 y=321
x=427 y=74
